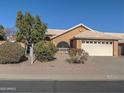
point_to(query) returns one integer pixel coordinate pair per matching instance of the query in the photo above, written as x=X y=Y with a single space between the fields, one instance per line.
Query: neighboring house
x=11 y=38
x=94 y=42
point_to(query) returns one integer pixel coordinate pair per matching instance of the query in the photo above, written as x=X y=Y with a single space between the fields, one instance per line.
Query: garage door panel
x=98 y=49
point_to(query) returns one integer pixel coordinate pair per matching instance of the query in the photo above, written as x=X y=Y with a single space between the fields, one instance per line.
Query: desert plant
x=77 y=55
x=11 y=53
x=45 y=51
x=72 y=52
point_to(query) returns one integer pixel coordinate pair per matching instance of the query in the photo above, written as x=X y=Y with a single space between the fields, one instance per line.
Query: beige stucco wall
x=115 y=48
x=78 y=44
x=69 y=35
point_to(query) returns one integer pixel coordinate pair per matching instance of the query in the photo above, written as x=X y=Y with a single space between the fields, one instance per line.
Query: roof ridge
x=81 y=25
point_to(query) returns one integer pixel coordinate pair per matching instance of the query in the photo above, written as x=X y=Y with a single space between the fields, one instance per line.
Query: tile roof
x=90 y=34
x=121 y=35
x=96 y=35
x=55 y=32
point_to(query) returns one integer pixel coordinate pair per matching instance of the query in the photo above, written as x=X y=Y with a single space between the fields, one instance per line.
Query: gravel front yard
x=95 y=65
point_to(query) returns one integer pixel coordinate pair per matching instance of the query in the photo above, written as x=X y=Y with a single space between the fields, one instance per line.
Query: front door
x=122 y=50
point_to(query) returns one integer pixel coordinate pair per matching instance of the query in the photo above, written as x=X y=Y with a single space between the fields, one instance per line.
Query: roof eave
x=96 y=38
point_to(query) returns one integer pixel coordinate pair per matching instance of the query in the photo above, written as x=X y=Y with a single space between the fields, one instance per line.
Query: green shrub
x=45 y=51
x=11 y=53
x=77 y=56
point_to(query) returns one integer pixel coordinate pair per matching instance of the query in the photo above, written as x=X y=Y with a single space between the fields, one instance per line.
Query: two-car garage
x=98 y=48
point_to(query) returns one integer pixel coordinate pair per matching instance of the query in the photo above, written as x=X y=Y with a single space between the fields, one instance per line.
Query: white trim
x=80 y=25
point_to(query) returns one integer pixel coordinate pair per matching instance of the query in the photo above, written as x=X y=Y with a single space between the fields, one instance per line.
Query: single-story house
x=94 y=42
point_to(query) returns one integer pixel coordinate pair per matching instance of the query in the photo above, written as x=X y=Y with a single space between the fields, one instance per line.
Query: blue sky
x=102 y=15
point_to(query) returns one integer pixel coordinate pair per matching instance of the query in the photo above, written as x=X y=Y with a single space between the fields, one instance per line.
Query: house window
x=95 y=42
x=103 y=42
x=110 y=42
x=87 y=42
x=99 y=42
x=83 y=41
x=106 y=42
x=63 y=44
x=91 y=42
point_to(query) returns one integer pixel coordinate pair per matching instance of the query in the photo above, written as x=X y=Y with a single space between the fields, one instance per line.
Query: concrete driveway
x=96 y=68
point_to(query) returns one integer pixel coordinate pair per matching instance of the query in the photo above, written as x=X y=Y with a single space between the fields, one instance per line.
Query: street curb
x=61 y=77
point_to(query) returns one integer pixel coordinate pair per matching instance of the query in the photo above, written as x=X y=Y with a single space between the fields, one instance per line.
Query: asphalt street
x=7 y=86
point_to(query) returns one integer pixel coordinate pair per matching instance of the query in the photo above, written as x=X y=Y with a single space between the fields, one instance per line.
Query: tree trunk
x=25 y=49
x=31 y=54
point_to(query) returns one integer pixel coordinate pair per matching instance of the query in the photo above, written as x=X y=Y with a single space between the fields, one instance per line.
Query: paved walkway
x=96 y=68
